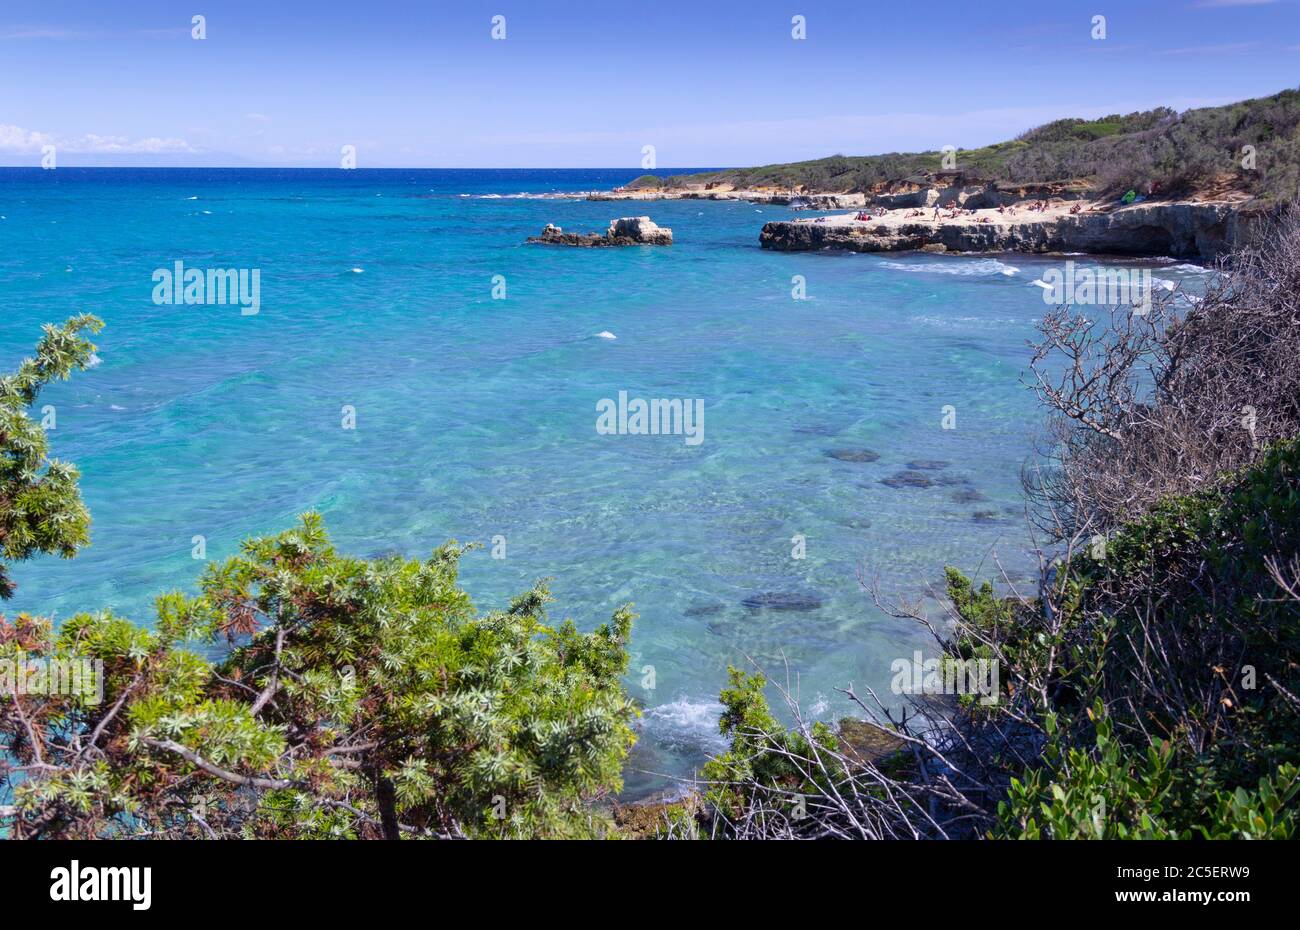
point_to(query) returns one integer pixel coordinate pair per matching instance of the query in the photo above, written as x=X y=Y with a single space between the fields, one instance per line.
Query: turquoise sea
x=475 y=417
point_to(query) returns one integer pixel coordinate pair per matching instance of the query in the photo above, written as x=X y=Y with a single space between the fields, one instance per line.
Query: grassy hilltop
x=1200 y=150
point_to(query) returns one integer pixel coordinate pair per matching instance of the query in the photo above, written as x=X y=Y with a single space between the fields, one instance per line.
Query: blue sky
x=579 y=84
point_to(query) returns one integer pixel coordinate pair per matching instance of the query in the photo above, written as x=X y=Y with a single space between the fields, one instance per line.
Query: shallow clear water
x=476 y=417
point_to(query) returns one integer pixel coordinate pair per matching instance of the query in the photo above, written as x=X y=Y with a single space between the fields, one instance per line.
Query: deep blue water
x=476 y=417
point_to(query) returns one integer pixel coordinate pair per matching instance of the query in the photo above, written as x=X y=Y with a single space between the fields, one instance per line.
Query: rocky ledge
x=627 y=230
x=795 y=199
x=1182 y=229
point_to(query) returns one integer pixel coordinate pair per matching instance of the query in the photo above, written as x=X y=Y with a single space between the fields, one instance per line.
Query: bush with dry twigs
x=1149 y=685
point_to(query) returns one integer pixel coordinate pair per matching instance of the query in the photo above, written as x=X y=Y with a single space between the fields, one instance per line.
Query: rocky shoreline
x=817 y=201
x=948 y=213
x=1201 y=231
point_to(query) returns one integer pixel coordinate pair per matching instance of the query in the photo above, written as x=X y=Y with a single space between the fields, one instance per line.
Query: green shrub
x=763 y=752
x=40 y=504
x=1112 y=792
x=360 y=698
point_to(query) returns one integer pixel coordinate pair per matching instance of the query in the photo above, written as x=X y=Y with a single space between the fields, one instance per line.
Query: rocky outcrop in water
x=626 y=230
x=1198 y=231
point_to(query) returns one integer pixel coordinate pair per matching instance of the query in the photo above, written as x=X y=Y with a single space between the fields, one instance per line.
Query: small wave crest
x=980 y=268
x=525 y=195
x=685 y=725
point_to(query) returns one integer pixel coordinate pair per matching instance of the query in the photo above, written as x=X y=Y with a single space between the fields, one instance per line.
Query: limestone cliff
x=1181 y=229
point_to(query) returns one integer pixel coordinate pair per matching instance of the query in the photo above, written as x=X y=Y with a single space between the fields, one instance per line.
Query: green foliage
x=762 y=750
x=358 y=696
x=1110 y=791
x=1191 y=733
x=495 y=725
x=40 y=504
x=1102 y=793
x=1118 y=152
x=1209 y=555
x=301 y=693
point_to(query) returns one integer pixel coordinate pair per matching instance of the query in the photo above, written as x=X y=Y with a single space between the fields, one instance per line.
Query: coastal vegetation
x=301 y=693
x=1249 y=147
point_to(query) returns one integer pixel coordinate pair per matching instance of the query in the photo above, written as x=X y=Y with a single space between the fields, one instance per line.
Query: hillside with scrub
x=1249 y=149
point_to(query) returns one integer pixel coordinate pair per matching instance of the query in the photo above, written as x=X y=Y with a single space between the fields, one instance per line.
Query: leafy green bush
x=40 y=504
x=1169 y=704
x=302 y=693
x=763 y=752
x=360 y=698
x=1112 y=792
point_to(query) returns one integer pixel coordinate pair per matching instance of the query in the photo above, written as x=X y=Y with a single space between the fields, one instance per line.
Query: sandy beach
x=884 y=222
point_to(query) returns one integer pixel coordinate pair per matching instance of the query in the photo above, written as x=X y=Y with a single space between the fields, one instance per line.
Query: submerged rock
x=928 y=464
x=968 y=496
x=907 y=479
x=704 y=610
x=852 y=455
x=986 y=516
x=782 y=600
x=819 y=429
x=626 y=230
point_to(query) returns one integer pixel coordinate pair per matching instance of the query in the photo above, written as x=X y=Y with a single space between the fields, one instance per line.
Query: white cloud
x=17 y=139
x=257 y=117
